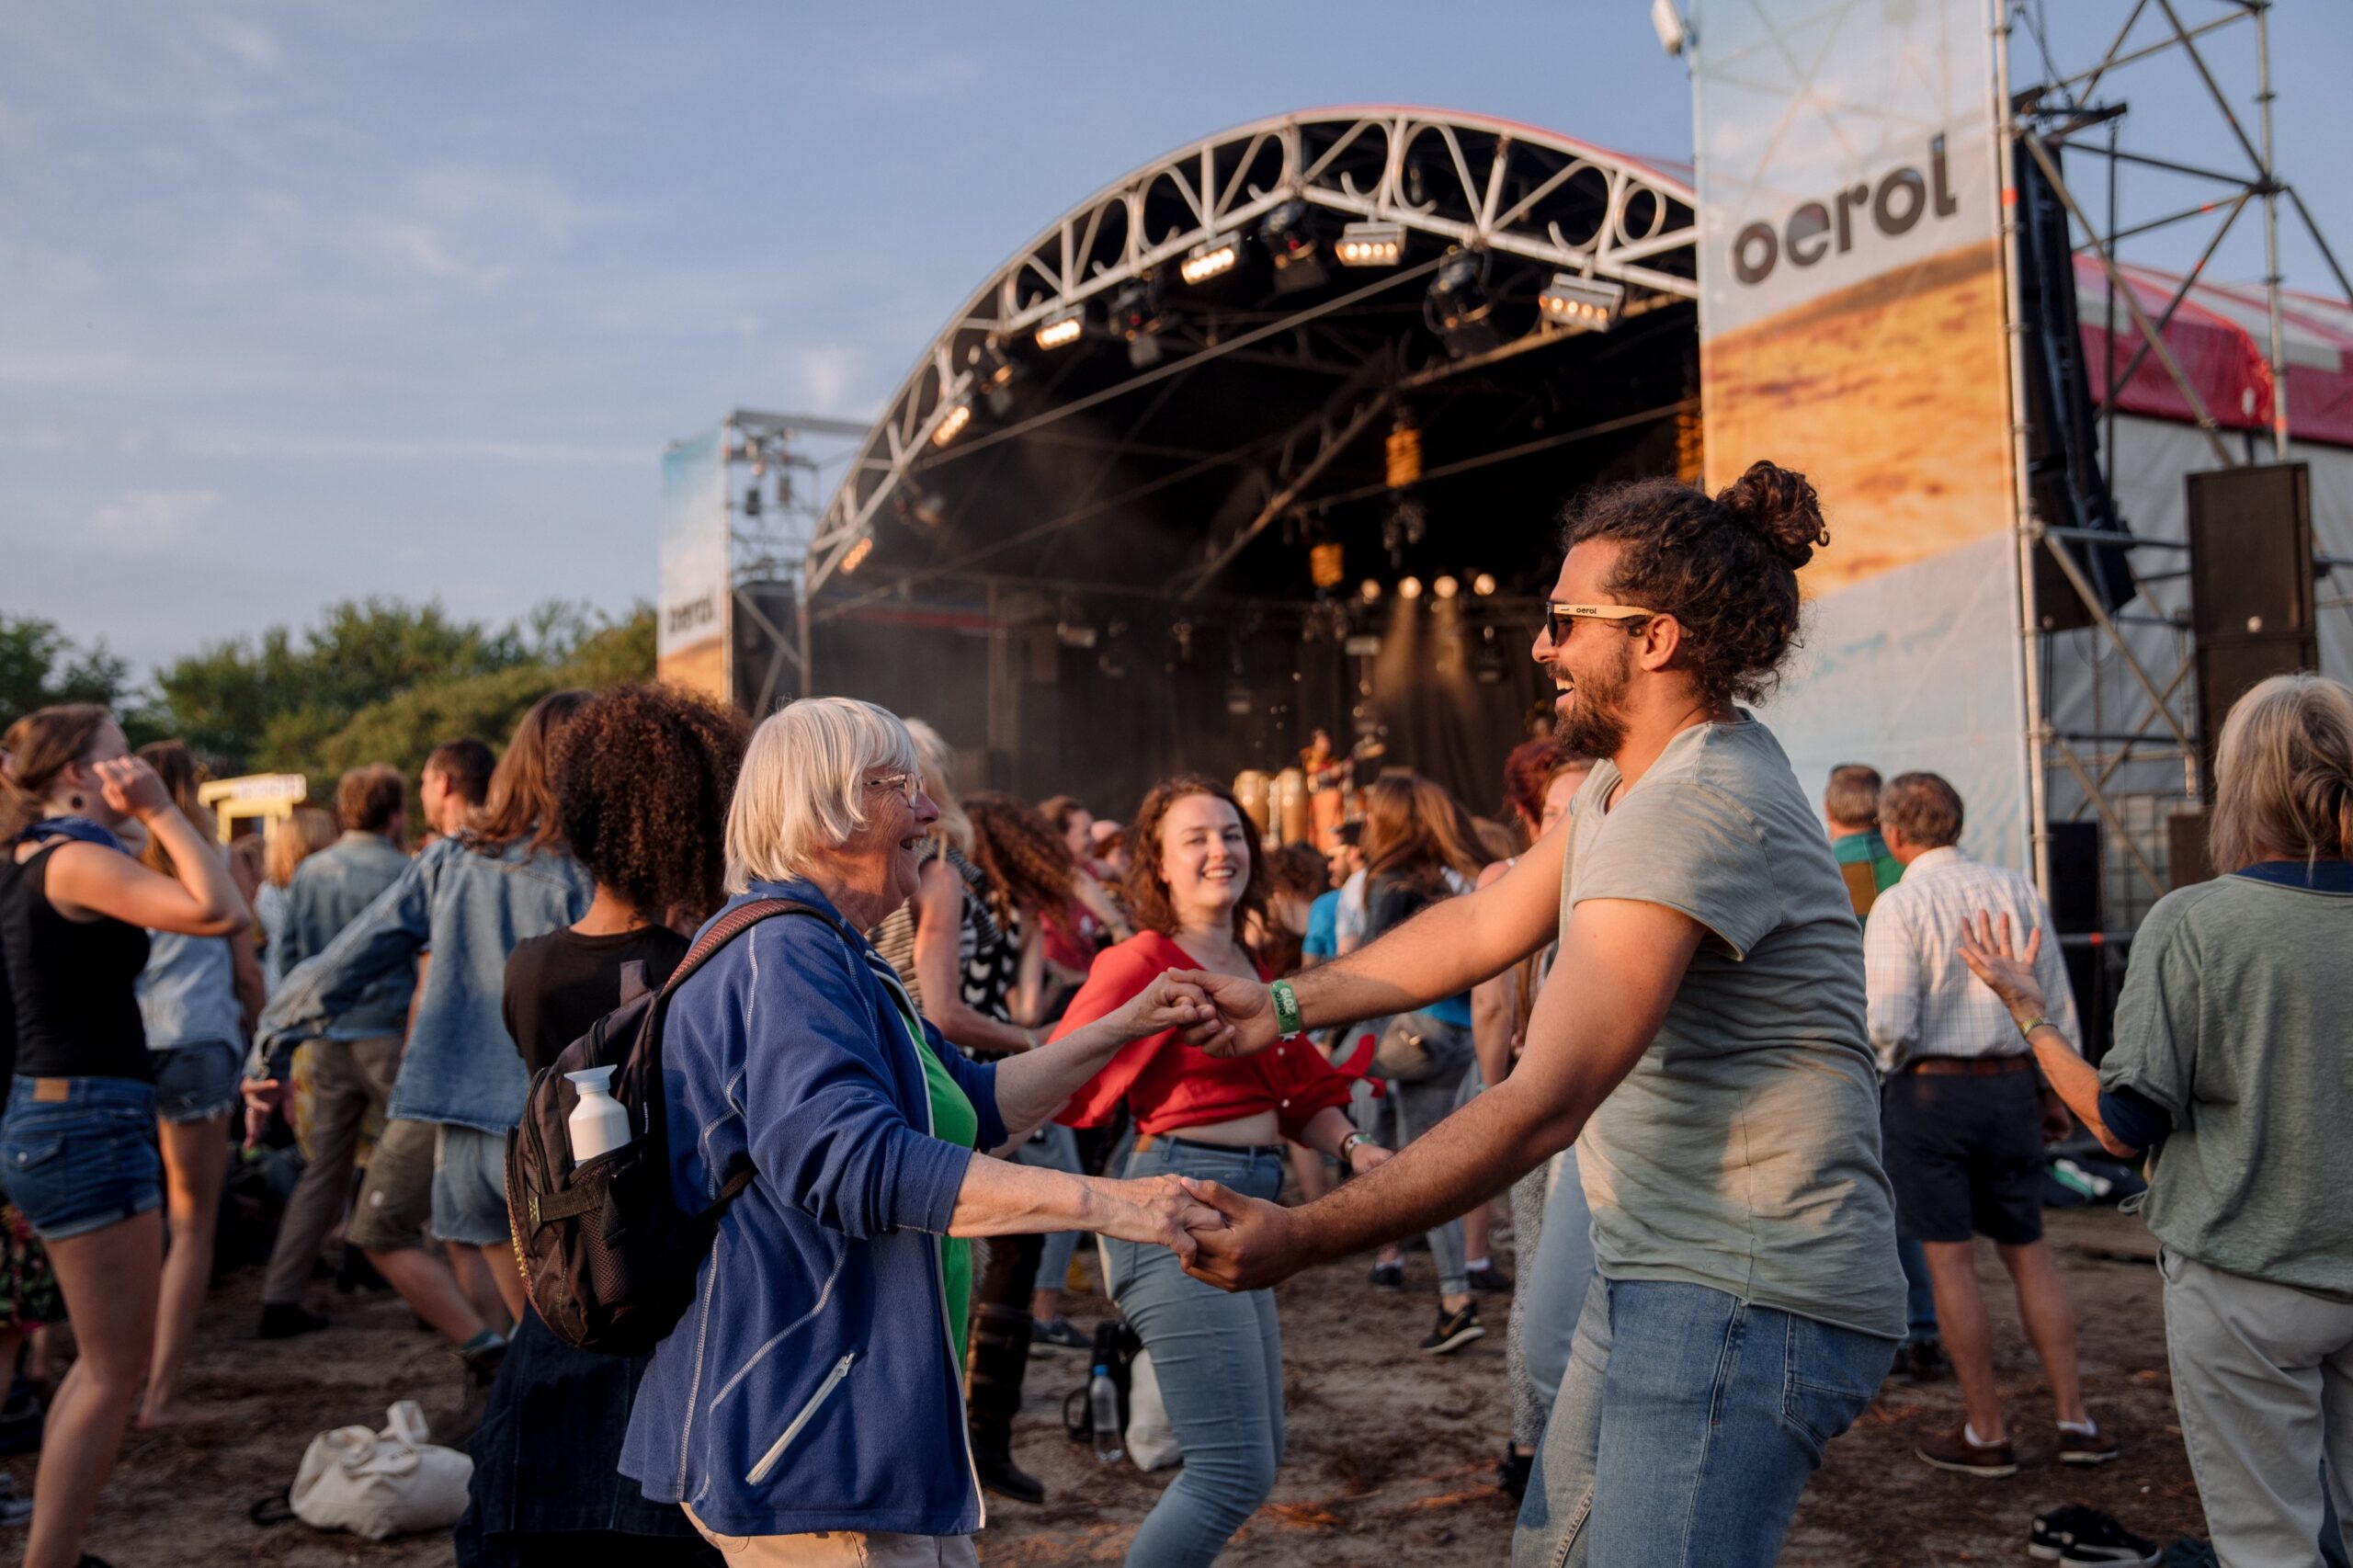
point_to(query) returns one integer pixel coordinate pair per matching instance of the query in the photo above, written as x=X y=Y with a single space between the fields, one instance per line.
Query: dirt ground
x=1391 y=1454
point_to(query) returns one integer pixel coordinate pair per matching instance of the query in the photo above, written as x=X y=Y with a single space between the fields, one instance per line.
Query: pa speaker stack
x=2251 y=587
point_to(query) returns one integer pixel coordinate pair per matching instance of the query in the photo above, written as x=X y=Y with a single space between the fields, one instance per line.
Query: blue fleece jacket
x=811 y=1385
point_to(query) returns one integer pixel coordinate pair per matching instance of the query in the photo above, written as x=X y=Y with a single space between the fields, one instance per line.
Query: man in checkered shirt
x=1965 y=1116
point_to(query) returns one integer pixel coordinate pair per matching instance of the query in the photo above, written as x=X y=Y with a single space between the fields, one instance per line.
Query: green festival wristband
x=1287 y=1019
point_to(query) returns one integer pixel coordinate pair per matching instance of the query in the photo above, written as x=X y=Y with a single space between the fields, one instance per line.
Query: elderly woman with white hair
x=808 y=1409
x=2230 y=1067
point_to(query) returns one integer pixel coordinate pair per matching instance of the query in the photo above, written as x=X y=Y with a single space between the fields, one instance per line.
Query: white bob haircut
x=803 y=787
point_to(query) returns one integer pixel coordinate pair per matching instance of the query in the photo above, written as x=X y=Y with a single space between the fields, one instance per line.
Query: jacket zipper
x=776 y=1450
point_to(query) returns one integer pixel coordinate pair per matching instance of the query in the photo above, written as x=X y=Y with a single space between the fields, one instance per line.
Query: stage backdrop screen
x=1851 y=315
x=690 y=640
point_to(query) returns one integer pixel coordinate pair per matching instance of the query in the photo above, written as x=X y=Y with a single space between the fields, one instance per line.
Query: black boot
x=997 y=1363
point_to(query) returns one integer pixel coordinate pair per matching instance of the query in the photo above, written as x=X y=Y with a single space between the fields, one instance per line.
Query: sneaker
x=2099 y=1539
x=2086 y=1448
x=1490 y=1279
x=1953 y=1450
x=1923 y=1361
x=14 y=1511
x=1454 y=1330
x=2047 y=1537
x=1057 y=1334
x=1511 y=1475
x=285 y=1320
x=1388 y=1276
x=2190 y=1552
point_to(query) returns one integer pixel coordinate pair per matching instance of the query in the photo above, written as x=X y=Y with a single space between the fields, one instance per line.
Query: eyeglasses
x=908 y=785
x=1555 y=613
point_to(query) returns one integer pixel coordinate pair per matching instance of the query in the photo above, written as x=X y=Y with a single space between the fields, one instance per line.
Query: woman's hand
x=1168 y=1003
x=1987 y=949
x=1365 y=1157
x=1157 y=1212
x=130 y=787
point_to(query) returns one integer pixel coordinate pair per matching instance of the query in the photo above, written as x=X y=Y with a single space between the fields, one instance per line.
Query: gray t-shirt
x=2233 y=1018
x=1742 y=1152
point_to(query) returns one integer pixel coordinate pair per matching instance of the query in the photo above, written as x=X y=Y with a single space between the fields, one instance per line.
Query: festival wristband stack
x=1287 y=1019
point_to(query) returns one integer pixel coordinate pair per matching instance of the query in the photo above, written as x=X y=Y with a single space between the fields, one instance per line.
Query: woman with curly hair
x=642 y=777
x=1195 y=883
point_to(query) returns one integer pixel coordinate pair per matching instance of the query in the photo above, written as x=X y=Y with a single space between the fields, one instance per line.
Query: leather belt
x=1154 y=1140
x=1969 y=1066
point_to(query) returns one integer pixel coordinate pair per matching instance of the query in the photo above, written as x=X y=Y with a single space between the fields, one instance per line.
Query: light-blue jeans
x=1219 y=1358
x=1686 y=1428
x=1053 y=1148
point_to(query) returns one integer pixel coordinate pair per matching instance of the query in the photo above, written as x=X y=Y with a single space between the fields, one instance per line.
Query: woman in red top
x=1192 y=885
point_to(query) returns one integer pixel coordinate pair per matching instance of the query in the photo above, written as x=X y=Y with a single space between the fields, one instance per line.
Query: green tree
x=40 y=666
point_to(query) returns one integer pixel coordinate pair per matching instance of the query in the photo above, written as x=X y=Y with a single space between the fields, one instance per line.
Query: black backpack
x=1116 y=1348
x=609 y=1259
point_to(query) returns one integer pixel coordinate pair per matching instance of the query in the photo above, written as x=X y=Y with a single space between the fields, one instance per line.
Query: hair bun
x=1780 y=506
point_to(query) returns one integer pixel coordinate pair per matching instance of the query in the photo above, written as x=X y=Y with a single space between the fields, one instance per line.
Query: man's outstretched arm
x=1442 y=952
x=1619 y=965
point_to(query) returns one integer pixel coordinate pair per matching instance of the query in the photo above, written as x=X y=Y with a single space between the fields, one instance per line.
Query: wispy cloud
x=147 y=520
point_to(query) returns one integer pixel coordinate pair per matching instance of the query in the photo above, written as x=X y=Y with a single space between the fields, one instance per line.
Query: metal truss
x=1468 y=180
x=2069 y=110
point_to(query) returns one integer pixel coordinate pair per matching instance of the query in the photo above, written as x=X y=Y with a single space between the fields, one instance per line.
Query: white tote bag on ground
x=1152 y=1442
x=381 y=1484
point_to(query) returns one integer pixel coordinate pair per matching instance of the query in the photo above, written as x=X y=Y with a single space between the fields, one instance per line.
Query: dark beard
x=1594 y=724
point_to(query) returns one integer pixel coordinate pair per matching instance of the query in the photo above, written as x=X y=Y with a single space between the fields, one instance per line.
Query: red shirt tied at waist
x=1170 y=1085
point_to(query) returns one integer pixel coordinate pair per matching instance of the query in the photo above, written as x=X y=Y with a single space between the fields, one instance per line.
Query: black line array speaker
x=2251 y=586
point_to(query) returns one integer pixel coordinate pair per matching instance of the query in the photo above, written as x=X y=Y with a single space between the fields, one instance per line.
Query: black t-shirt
x=560 y=984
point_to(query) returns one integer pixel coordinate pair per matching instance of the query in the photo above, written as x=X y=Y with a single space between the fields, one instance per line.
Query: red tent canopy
x=2219 y=335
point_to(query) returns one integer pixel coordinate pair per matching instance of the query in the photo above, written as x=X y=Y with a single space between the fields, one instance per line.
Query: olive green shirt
x=2235 y=1019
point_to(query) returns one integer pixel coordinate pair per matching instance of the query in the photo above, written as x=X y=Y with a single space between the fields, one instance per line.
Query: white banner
x=695 y=599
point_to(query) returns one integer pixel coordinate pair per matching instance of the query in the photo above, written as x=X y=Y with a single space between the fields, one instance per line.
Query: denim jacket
x=187 y=992
x=812 y=1385
x=330 y=889
x=469 y=909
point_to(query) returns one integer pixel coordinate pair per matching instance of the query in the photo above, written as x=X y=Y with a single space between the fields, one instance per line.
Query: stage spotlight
x=1291 y=242
x=1369 y=591
x=1591 y=303
x=1457 y=307
x=1136 y=317
x=1211 y=256
x=993 y=373
x=1484 y=584
x=858 y=554
x=1371 y=245
x=951 y=424
x=1446 y=587
x=1062 y=328
x=1409 y=588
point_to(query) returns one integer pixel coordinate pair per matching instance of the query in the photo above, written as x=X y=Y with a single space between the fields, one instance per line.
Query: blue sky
x=303 y=301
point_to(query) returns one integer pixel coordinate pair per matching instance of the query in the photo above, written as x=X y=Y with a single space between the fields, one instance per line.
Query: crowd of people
x=1751 y=1090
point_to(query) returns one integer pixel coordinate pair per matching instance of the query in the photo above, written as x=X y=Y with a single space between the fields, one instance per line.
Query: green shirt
x=2232 y=1019
x=953 y=1120
x=1867 y=868
x=1741 y=1151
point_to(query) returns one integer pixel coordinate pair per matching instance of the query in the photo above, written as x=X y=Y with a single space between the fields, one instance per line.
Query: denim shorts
x=197 y=1083
x=78 y=1155
x=470 y=1186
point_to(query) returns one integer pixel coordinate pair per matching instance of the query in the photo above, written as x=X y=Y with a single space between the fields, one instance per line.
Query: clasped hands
x=1223 y=1237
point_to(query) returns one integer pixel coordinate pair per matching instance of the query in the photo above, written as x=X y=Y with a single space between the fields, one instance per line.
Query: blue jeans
x=1220 y=1361
x=1552 y=1289
x=1919 y=1295
x=197 y=1083
x=78 y=1155
x=1692 y=1446
x=1413 y=1106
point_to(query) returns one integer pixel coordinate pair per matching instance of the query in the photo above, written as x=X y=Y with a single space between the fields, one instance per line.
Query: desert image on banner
x=1891 y=396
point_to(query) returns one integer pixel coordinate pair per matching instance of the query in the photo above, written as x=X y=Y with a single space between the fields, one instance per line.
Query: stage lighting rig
x=992 y=373
x=1457 y=307
x=1591 y=303
x=951 y=424
x=1136 y=317
x=1289 y=238
x=1371 y=245
x=1062 y=328
x=1213 y=257
x=858 y=554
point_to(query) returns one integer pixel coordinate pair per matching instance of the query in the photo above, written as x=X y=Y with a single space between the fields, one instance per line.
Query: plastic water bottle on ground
x=1103 y=1408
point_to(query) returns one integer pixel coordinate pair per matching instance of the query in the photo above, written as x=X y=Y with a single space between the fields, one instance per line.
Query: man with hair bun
x=1966 y=1118
x=1702 y=1029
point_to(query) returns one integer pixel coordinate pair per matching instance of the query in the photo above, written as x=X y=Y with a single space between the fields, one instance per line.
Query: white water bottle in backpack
x=599 y=1123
